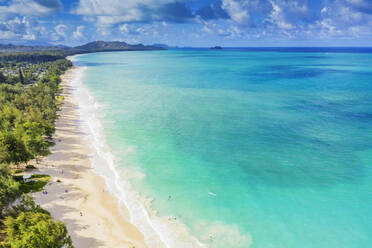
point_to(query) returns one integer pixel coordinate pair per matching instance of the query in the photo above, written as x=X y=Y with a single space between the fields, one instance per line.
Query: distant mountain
x=160 y=45
x=31 y=43
x=113 y=46
x=25 y=48
x=95 y=46
x=216 y=48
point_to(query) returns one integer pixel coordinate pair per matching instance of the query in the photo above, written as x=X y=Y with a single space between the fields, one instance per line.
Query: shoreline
x=93 y=216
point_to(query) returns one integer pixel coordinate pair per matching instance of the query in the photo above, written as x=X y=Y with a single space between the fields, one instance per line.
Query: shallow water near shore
x=247 y=149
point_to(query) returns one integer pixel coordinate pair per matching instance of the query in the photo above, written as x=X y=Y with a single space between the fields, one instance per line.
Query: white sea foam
x=158 y=231
x=220 y=234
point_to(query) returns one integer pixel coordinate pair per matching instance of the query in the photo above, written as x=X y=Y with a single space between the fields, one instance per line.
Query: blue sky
x=189 y=22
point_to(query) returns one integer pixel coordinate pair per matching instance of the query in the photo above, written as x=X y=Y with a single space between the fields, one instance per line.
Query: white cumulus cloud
x=61 y=30
x=110 y=12
x=78 y=33
x=35 y=8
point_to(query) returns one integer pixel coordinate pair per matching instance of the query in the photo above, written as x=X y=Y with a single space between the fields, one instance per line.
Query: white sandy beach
x=91 y=214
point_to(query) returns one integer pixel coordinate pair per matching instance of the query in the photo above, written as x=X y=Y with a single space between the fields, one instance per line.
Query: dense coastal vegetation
x=29 y=99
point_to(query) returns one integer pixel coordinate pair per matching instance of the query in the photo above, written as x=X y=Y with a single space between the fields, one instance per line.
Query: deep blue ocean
x=240 y=148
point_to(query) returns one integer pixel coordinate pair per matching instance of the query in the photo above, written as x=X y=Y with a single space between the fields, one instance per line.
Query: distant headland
x=95 y=46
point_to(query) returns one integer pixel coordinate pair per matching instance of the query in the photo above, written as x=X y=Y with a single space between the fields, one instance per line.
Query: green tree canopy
x=12 y=149
x=3 y=79
x=35 y=229
x=31 y=133
x=9 y=189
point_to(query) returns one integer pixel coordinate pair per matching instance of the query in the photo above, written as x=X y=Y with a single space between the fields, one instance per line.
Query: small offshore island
x=49 y=196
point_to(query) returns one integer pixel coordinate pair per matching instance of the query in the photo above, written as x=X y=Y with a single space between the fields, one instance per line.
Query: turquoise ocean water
x=245 y=148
